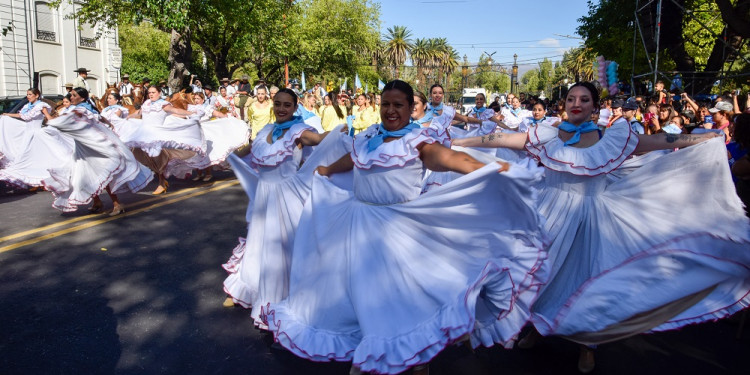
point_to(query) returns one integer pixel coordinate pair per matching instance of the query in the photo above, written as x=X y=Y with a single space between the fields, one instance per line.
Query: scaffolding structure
x=648 y=27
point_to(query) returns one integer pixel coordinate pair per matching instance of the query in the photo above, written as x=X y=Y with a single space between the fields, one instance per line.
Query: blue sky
x=531 y=29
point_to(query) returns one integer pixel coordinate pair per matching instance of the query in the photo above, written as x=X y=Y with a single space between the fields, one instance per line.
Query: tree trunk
x=180 y=57
x=221 y=69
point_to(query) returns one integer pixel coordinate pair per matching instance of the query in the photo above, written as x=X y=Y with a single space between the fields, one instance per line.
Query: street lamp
x=464 y=73
x=514 y=75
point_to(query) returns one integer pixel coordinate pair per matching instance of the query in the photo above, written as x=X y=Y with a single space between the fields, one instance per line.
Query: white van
x=468 y=98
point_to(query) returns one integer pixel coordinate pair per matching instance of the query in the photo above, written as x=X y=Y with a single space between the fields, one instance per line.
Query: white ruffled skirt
x=174 y=133
x=223 y=136
x=99 y=160
x=28 y=151
x=259 y=266
x=389 y=286
x=649 y=248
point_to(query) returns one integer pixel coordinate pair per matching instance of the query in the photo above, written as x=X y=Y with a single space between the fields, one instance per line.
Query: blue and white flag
x=357 y=83
x=304 y=85
x=343 y=87
x=380 y=85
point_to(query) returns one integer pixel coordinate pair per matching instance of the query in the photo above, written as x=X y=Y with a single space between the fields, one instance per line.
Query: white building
x=44 y=43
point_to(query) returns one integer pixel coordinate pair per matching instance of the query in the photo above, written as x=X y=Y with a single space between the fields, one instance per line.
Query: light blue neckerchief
x=586 y=127
x=379 y=139
x=304 y=113
x=27 y=108
x=86 y=105
x=435 y=110
x=535 y=121
x=278 y=128
x=516 y=111
x=115 y=107
x=427 y=118
x=478 y=111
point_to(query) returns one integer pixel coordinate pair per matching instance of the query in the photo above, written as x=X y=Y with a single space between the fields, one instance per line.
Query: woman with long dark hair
x=162 y=133
x=617 y=267
x=276 y=176
x=100 y=161
x=436 y=273
x=27 y=150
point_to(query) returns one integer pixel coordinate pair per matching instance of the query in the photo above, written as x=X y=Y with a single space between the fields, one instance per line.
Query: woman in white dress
x=446 y=115
x=100 y=161
x=224 y=134
x=537 y=116
x=277 y=183
x=27 y=150
x=638 y=252
x=158 y=138
x=116 y=114
x=225 y=103
x=513 y=116
x=386 y=277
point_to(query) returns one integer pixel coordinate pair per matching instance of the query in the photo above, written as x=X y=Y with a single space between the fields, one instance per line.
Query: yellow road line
x=108 y=219
x=87 y=217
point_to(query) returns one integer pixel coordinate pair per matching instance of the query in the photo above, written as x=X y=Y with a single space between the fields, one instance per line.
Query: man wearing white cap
x=722 y=114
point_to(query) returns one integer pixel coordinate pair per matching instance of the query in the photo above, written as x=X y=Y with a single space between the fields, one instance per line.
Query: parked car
x=13 y=104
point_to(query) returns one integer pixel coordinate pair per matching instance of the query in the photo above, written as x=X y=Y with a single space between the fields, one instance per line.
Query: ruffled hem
x=669 y=248
x=154 y=148
x=59 y=181
x=61 y=186
x=617 y=144
x=233 y=263
x=418 y=346
x=21 y=182
x=395 y=153
x=275 y=154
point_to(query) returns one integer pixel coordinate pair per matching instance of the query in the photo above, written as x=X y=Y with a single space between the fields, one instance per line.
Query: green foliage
x=692 y=44
x=398 y=43
x=539 y=79
x=490 y=77
x=145 y=50
x=334 y=38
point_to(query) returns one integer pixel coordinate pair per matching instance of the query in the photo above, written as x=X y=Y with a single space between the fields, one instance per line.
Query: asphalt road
x=141 y=293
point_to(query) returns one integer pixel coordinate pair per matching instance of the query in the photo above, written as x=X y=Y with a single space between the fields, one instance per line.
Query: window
x=49 y=84
x=87 y=36
x=45 y=22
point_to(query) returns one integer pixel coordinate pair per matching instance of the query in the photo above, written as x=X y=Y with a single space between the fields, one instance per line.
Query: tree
x=421 y=58
x=684 y=43
x=397 y=47
x=579 y=64
x=336 y=38
x=167 y=15
x=145 y=52
x=238 y=34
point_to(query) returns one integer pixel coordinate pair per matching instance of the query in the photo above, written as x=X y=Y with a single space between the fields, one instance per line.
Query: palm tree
x=579 y=63
x=397 y=46
x=450 y=64
x=420 y=57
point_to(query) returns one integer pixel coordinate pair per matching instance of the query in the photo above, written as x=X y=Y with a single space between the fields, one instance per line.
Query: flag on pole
x=357 y=83
x=380 y=84
x=343 y=87
x=304 y=86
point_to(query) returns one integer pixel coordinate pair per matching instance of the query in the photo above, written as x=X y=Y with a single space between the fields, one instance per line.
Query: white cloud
x=549 y=42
